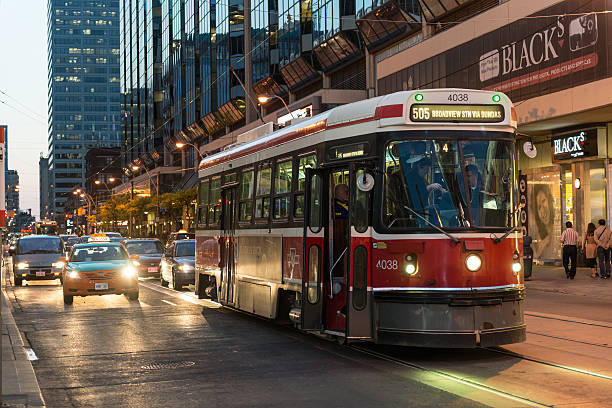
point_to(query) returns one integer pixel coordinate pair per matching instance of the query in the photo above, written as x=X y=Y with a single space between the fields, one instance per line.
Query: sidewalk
x=552 y=279
x=19 y=384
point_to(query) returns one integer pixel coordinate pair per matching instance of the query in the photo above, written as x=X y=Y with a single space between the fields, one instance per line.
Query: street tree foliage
x=120 y=207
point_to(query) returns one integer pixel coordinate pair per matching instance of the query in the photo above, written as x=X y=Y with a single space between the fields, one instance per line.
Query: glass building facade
x=84 y=94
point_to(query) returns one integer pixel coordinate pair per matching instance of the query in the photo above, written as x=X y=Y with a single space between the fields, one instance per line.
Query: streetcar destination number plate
x=420 y=112
x=101 y=286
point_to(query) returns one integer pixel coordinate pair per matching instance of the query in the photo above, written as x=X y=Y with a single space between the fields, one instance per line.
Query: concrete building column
x=251 y=113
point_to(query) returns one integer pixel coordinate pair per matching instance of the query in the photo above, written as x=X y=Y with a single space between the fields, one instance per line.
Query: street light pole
x=262 y=99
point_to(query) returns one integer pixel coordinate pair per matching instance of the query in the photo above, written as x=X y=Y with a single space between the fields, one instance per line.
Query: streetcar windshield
x=457 y=184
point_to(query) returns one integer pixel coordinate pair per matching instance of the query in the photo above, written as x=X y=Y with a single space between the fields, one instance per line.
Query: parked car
x=148 y=254
x=99 y=268
x=178 y=264
x=37 y=257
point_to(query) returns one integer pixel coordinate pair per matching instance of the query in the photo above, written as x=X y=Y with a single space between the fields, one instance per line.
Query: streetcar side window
x=306 y=162
x=361 y=205
x=203 y=202
x=247 y=185
x=214 y=208
x=262 y=194
x=282 y=187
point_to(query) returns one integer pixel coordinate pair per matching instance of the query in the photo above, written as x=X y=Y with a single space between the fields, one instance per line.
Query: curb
x=25 y=391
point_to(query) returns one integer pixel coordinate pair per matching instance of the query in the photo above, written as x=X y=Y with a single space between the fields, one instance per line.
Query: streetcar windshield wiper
x=500 y=239
x=455 y=239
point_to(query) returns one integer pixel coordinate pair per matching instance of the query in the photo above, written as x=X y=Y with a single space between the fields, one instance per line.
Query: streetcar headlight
x=516 y=267
x=73 y=274
x=411 y=264
x=22 y=265
x=185 y=268
x=473 y=262
x=129 y=272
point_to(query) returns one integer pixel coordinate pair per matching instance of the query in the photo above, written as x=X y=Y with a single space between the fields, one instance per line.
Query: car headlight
x=58 y=265
x=129 y=272
x=73 y=274
x=473 y=262
x=135 y=262
x=22 y=265
x=185 y=268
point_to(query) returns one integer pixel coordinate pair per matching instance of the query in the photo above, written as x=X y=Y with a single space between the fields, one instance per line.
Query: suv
x=36 y=257
x=179 y=236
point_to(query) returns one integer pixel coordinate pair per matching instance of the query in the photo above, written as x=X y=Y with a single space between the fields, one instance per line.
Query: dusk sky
x=23 y=90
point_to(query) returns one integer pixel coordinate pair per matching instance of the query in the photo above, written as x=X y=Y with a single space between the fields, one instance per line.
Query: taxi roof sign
x=99 y=238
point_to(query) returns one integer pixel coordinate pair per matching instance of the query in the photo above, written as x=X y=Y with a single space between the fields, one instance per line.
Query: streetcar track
x=572 y=340
x=568 y=320
x=458 y=379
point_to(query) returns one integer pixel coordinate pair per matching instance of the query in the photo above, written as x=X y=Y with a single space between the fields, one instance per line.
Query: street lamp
x=263 y=99
x=180 y=145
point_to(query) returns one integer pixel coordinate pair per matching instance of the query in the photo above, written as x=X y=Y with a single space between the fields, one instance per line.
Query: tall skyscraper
x=12 y=191
x=84 y=96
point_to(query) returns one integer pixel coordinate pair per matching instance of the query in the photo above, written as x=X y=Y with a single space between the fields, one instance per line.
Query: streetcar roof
x=367 y=116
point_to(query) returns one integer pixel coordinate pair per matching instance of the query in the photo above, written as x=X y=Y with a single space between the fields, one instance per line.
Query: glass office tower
x=83 y=96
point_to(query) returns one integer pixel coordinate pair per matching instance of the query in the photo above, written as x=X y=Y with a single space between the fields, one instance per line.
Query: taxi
x=99 y=268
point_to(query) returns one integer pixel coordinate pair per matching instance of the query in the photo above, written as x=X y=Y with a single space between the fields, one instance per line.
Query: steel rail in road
x=455 y=378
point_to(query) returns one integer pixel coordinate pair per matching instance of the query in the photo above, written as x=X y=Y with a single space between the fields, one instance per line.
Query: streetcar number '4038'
x=458 y=97
x=387 y=264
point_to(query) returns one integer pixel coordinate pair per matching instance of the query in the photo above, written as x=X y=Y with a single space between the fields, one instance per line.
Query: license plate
x=152 y=269
x=101 y=286
x=40 y=273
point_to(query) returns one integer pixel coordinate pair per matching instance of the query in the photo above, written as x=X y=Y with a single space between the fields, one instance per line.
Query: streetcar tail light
x=516 y=267
x=411 y=264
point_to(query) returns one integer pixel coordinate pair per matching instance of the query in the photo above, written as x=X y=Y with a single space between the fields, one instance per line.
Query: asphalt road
x=172 y=350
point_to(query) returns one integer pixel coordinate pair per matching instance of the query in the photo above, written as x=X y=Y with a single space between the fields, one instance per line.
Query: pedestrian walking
x=603 y=236
x=569 y=240
x=590 y=249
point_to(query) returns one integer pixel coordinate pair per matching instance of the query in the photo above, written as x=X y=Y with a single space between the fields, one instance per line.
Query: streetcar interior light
x=516 y=267
x=496 y=98
x=418 y=97
x=473 y=262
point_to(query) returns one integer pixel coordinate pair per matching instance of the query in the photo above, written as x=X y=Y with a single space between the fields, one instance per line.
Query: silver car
x=36 y=257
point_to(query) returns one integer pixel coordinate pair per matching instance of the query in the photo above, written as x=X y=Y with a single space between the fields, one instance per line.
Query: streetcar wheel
x=68 y=299
x=133 y=295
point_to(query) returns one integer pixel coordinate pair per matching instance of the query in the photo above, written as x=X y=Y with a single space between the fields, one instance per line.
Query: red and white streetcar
x=390 y=220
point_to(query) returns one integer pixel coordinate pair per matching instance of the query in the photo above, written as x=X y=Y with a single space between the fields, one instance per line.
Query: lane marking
x=188 y=297
x=169 y=302
x=568 y=319
x=31 y=354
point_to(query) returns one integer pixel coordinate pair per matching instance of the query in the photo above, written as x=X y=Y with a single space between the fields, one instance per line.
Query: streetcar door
x=315 y=226
x=359 y=298
x=228 y=225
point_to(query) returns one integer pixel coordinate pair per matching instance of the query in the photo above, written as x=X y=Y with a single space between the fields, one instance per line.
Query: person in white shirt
x=569 y=240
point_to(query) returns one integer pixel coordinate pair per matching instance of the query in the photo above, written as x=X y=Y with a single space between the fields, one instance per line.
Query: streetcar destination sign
x=456 y=113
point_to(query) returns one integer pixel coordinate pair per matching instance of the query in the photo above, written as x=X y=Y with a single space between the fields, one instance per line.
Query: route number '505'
x=387 y=264
x=420 y=113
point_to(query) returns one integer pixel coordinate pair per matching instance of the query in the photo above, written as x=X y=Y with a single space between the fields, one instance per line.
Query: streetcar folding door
x=315 y=225
x=359 y=299
x=229 y=197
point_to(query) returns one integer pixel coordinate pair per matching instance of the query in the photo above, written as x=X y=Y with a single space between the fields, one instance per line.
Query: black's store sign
x=575 y=145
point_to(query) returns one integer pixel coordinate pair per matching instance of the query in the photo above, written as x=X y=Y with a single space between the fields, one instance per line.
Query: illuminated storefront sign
x=575 y=145
x=305 y=112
